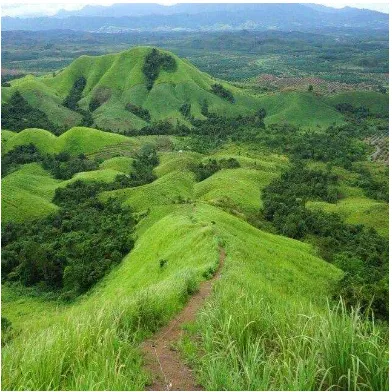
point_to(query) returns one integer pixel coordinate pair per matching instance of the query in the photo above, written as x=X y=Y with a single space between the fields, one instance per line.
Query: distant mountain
x=202 y=17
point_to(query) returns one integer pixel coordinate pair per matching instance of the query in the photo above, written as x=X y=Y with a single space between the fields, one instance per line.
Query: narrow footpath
x=169 y=371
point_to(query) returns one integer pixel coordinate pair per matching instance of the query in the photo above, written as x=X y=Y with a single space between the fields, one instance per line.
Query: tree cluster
x=69 y=251
x=204 y=170
x=74 y=96
x=153 y=63
x=144 y=114
x=62 y=166
x=222 y=92
x=360 y=252
x=18 y=114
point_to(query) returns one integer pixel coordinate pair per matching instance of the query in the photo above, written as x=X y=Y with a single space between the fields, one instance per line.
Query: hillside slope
x=115 y=93
x=117 y=80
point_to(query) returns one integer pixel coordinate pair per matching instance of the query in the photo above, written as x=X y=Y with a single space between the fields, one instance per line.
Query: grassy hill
x=271 y=287
x=303 y=109
x=172 y=235
x=116 y=80
x=119 y=79
x=77 y=140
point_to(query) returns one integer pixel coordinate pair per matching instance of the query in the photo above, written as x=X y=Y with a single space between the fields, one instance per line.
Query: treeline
x=374 y=189
x=153 y=63
x=222 y=92
x=69 y=251
x=360 y=252
x=144 y=114
x=74 y=96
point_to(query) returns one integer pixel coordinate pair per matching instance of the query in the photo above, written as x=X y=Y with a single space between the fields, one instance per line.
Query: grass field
x=75 y=141
x=377 y=103
x=355 y=207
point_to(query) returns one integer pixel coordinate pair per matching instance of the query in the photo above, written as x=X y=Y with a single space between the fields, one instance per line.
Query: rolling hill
x=114 y=92
x=117 y=80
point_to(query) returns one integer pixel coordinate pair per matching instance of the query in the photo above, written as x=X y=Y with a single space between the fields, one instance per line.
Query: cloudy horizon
x=34 y=8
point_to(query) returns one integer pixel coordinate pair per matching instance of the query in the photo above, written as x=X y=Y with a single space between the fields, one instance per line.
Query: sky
x=50 y=7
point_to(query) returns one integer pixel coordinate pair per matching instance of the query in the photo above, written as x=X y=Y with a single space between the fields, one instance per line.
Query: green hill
x=111 y=310
x=118 y=79
x=75 y=141
x=114 y=81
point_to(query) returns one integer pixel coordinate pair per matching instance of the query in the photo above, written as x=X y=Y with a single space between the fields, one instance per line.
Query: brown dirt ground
x=162 y=361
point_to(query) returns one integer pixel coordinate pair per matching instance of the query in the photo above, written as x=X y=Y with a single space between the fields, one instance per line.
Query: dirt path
x=162 y=361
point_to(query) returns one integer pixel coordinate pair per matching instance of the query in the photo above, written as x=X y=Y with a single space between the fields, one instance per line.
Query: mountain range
x=202 y=17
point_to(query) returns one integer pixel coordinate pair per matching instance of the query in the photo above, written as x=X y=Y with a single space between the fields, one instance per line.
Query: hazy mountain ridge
x=205 y=17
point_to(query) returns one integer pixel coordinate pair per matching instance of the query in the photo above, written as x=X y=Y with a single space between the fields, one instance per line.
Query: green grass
x=359 y=210
x=268 y=326
x=302 y=109
x=120 y=164
x=266 y=288
x=236 y=188
x=377 y=103
x=27 y=194
x=92 y=344
x=176 y=161
x=76 y=140
x=355 y=207
x=165 y=190
x=6 y=135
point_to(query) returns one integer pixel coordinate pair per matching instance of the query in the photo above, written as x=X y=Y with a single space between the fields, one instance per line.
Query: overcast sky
x=50 y=7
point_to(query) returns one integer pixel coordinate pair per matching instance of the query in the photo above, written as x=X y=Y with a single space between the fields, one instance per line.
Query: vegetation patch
x=204 y=170
x=154 y=62
x=144 y=114
x=101 y=95
x=17 y=114
x=71 y=250
x=360 y=252
x=222 y=92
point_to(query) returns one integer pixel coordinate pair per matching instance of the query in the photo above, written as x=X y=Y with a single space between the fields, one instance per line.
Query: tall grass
x=251 y=343
x=98 y=349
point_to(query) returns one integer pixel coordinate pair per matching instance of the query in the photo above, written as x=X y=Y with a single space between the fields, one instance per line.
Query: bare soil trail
x=169 y=371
